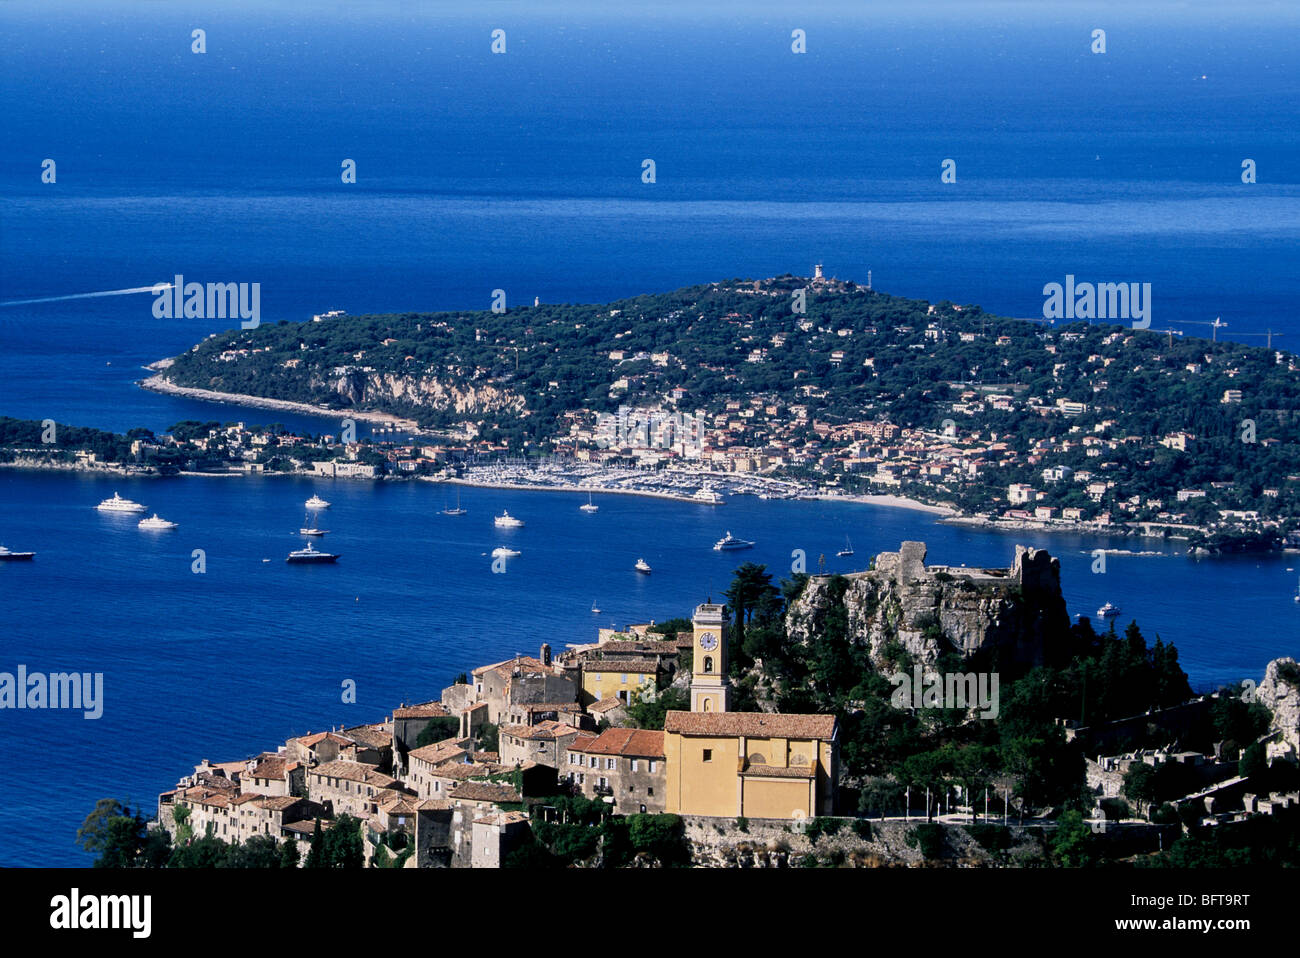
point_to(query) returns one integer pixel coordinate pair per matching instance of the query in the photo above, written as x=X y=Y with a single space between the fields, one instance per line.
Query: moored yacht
x=729 y=543
x=706 y=495
x=8 y=555
x=507 y=521
x=589 y=506
x=316 y=502
x=642 y=566
x=156 y=523
x=848 y=548
x=310 y=556
x=458 y=511
x=1108 y=610
x=501 y=552
x=118 y=504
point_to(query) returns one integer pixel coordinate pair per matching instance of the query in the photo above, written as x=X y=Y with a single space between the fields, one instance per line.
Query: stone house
x=627 y=765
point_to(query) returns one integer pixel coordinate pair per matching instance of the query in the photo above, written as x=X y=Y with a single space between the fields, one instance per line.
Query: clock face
x=708 y=641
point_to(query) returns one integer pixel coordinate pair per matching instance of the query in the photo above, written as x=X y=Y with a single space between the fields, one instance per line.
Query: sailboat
x=309 y=528
x=590 y=506
x=1296 y=597
x=594 y=610
x=848 y=548
x=458 y=511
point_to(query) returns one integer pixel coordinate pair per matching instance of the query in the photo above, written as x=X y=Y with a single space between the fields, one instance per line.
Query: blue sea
x=522 y=171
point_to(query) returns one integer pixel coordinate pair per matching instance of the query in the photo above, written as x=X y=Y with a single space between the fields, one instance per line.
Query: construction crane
x=1172 y=333
x=1270 y=334
x=1218 y=322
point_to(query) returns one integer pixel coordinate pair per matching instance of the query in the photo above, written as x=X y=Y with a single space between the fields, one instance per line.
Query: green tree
x=114 y=832
x=1072 y=843
x=316 y=855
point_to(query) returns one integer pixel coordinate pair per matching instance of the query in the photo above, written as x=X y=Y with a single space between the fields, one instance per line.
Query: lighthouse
x=817 y=271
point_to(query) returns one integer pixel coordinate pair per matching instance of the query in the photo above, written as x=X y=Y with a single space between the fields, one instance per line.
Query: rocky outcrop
x=929 y=610
x=386 y=390
x=1280 y=693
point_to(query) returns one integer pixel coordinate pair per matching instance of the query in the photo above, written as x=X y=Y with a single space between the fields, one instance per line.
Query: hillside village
x=465 y=780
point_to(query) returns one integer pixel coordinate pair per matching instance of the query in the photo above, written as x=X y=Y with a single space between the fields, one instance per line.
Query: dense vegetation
x=556 y=358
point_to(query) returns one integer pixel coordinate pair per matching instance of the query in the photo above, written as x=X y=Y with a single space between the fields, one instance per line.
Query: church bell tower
x=710 y=687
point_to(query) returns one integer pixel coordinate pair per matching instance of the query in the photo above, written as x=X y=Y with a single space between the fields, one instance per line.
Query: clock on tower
x=710 y=688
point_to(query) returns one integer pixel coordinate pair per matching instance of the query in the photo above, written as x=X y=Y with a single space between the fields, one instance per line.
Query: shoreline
x=157 y=383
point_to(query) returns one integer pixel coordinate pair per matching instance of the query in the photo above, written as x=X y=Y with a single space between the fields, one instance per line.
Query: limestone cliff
x=929 y=610
x=1280 y=692
x=372 y=389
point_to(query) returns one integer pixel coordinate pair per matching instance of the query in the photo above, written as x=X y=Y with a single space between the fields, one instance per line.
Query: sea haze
x=523 y=172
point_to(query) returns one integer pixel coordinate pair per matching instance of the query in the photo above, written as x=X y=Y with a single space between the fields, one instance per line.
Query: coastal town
x=780 y=388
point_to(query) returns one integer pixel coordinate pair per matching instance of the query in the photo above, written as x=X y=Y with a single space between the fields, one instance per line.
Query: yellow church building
x=752 y=764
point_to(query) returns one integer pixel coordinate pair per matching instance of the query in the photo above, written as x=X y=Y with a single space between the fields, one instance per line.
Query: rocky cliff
x=1280 y=692
x=930 y=610
x=372 y=389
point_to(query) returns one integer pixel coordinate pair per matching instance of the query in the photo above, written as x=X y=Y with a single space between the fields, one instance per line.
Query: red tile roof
x=751 y=724
x=632 y=742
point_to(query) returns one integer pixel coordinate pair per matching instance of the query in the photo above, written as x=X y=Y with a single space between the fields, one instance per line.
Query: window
x=573 y=759
x=623 y=678
x=609 y=763
x=652 y=766
x=649 y=791
x=592 y=762
x=582 y=779
x=604 y=782
x=708 y=755
x=634 y=764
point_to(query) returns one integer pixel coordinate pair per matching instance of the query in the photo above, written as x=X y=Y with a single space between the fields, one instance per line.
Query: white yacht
x=316 y=502
x=1108 y=610
x=156 y=523
x=730 y=543
x=589 y=506
x=501 y=552
x=706 y=495
x=310 y=556
x=8 y=555
x=507 y=521
x=310 y=529
x=642 y=566
x=595 y=611
x=118 y=504
x=848 y=548
x=458 y=511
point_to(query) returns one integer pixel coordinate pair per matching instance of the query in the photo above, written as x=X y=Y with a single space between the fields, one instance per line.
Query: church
x=752 y=764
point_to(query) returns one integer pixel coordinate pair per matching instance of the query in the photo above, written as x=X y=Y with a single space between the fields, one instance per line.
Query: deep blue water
x=522 y=172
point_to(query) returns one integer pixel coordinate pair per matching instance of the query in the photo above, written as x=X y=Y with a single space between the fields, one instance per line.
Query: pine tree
x=316 y=855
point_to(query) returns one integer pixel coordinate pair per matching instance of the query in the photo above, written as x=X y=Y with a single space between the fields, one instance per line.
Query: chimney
x=546 y=654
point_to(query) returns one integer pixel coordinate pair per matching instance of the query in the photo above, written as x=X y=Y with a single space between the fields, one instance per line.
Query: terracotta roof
x=376 y=736
x=244 y=798
x=605 y=705
x=484 y=792
x=438 y=753
x=640 y=666
x=353 y=772
x=278 y=803
x=308 y=826
x=432 y=804
x=543 y=731
x=770 y=771
x=269 y=768
x=463 y=771
x=632 y=742
x=526 y=662
x=423 y=710
x=311 y=741
x=644 y=646
x=752 y=724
